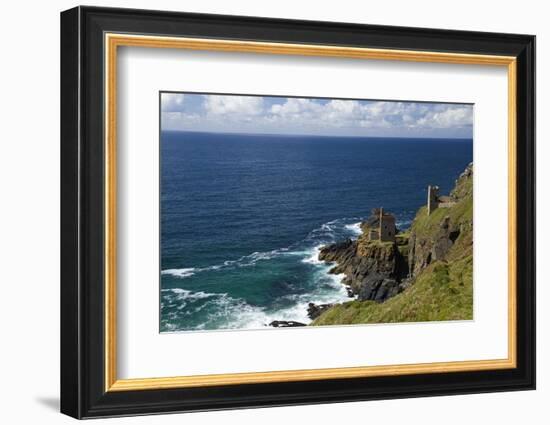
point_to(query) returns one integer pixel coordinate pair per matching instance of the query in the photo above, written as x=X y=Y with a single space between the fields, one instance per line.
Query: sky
x=314 y=116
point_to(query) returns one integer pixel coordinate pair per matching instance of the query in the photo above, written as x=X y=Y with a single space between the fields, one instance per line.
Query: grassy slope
x=442 y=291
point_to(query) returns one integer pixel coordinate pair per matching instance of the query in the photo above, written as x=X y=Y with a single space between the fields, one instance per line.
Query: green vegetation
x=402 y=238
x=402 y=242
x=441 y=291
x=403 y=250
x=425 y=225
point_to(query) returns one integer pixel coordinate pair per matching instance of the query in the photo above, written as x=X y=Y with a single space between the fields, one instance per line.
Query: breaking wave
x=355 y=228
x=185 y=309
x=180 y=272
x=308 y=248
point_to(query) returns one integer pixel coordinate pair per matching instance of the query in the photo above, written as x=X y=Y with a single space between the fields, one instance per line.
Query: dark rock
x=426 y=248
x=389 y=288
x=315 y=310
x=359 y=259
x=406 y=283
x=377 y=270
x=377 y=287
x=286 y=324
x=443 y=241
x=341 y=252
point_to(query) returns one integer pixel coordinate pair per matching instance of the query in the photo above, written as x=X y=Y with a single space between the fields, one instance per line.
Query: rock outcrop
x=425 y=275
x=376 y=271
x=376 y=287
x=286 y=324
x=432 y=237
x=315 y=310
x=373 y=270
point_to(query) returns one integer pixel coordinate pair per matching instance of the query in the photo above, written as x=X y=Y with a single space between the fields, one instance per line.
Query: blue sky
x=283 y=115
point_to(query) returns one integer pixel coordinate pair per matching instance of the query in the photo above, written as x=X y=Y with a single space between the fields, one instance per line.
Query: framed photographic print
x=261 y=212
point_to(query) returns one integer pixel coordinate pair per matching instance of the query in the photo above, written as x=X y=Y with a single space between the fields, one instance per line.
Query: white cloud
x=239 y=106
x=315 y=116
x=172 y=102
x=337 y=113
x=170 y=117
x=453 y=116
x=302 y=113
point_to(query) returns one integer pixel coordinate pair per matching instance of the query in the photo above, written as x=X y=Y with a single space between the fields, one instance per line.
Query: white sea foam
x=183 y=294
x=335 y=280
x=328 y=232
x=354 y=228
x=244 y=316
x=298 y=310
x=312 y=256
x=226 y=312
x=234 y=313
x=180 y=272
x=188 y=303
x=245 y=261
x=403 y=224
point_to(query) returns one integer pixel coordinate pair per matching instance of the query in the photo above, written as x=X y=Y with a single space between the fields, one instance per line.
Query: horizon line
x=314 y=135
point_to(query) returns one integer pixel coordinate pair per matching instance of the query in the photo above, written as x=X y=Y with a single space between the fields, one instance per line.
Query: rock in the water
x=286 y=324
x=315 y=310
x=341 y=252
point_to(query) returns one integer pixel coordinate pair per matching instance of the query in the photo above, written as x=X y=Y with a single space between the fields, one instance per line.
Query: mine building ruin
x=381 y=226
x=437 y=201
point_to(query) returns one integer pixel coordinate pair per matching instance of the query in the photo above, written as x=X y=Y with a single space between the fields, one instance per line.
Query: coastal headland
x=423 y=273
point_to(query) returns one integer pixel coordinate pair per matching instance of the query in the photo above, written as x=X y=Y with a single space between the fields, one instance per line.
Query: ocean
x=243 y=217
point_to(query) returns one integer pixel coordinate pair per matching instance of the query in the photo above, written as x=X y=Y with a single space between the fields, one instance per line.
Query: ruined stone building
x=381 y=226
x=437 y=201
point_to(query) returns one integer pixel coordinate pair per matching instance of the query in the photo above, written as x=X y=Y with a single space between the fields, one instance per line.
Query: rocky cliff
x=373 y=270
x=432 y=237
x=425 y=275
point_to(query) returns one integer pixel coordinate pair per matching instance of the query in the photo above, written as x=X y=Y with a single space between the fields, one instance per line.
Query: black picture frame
x=83 y=392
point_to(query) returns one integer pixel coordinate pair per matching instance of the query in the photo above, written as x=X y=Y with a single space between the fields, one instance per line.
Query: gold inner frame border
x=111 y=43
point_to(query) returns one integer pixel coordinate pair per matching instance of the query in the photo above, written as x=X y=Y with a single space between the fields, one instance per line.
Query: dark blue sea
x=243 y=217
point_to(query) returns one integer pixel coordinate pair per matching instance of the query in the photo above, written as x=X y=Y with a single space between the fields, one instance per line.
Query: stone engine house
x=381 y=226
x=437 y=201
